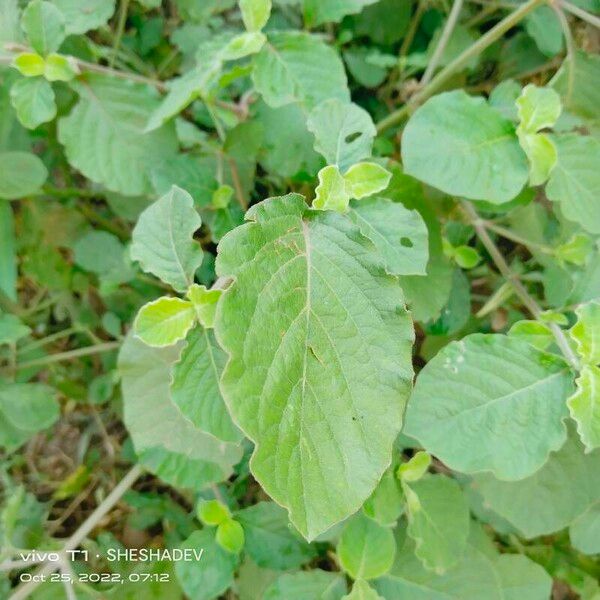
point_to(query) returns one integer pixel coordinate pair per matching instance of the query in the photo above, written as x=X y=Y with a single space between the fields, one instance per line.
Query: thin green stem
x=123 y=9
x=486 y=40
x=582 y=14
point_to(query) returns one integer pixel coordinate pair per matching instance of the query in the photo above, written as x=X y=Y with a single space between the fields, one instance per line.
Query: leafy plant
x=323 y=275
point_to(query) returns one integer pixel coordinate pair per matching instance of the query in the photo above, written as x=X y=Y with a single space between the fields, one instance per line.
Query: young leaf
x=366 y=549
x=576 y=250
x=331 y=193
x=307 y=584
x=586 y=332
x=243 y=45
x=343 y=132
x=205 y=303
x=533 y=332
x=255 y=13
x=230 y=536
x=538 y=108
x=319 y=394
x=270 y=540
x=164 y=321
x=361 y=590
x=33 y=99
x=195 y=385
x=162 y=240
x=415 y=468
x=60 y=68
x=584 y=406
x=440 y=524
x=21 y=174
x=364 y=179
x=29 y=64
x=542 y=155
x=44 y=25
x=212 y=512
x=462 y=146
x=492 y=403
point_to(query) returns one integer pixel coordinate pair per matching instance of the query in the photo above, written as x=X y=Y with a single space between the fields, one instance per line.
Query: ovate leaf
x=343 y=132
x=415 y=468
x=365 y=178
x=462 y=146
x=296 y=67
x=33 y=99
x=44 y=25
x=162 y=240
x=586 y=332
x=366 y=549
x=230 y=536
x=575 y=180
x=331 y=193
x=542 y=155
x=399 y=234
x=319 y=344
x=205 y=303
x=30 y=64
x=104 y=134
x=255 y=13
x=212 y=512
x=584 y=406
x=538 y=108
x=83 y=15
x=21 y=174
x=490 y=403
x=307 y=584
x=195 y=386
x=164 y=321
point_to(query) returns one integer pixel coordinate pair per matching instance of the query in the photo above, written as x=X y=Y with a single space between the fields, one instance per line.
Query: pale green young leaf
x=365 y=179
x=270 y=539
x=294 y=66
x=584 y=406
x=33 y=100
x=586 y=332
x=541 y=153
x=343 y=132
x=466 y=257
x=12 y=329
x=317 y=12
x=44 y=26
x=29 y=64
x=462 y=146
x=162 y=240
x=255 y=13
x=243 y=45
x=576 y=250
x=205 y=303
x=212 y=512
x=575 y=180
x=366 y=549
x=83 y=15
x=440 y=524
x=165 y=442
x=361 y=590
x=60 y=68
x=104 y=134
x=195 y=385
x=584 y=531
x=303 y=280
x=315 y=583
x=536 y=333
x=538 y=108
x=211 y=575
x=331 y=193
x=21 y=174
x=230 y=536
x=415 y=468
x=164 y=322
x=490 y=403
x=222 y=196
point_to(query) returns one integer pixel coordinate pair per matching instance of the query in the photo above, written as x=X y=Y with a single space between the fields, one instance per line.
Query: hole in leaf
x=404 y=241
x=352 y=136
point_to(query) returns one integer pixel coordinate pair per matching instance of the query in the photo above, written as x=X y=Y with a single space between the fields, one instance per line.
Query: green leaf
x=255 y=13
x=21 y=174
x=365 y=178
x=490 y=403
x=243 y=45
x=462 y=146
x=575 y=180
x=343 y=132
x=544 y=27
x=33 y=99
x=584 y=406
x=320 y=397
x=44 y=25
x=584 y=531
x=366 y=549
x=12 y=329
x=212 y=512
x=586 y=332
x=8 y=252
x=60 y=68
x=164 y=322
x=386 y=503
x=307 y=584
x=205 y=303
x=542 y=155
x=165 y=441
x=576 y=250
x=99 y=252
x=104 y=134
x=533 y=332
x=294 y=66
x=439 y=523
x=222 y=196
x=195 y=386
x=466 y=257
x=230 y=536
x=538 y=108
x=415 y=468
x=29 y=64
x=331 y=193
x=83 y=15
x=25 y=409
x=210 y=576
x=385 y=22
x=162 y=240
x=547 y=501
x=361 y=590
x=270 y=539
x=317 y=12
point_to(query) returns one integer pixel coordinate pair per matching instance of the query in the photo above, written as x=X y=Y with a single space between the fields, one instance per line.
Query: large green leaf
x=294 y=66
x=165 y=441
x=491 y=403
x=104 y=134
x=547 y=501
x=575 y=180
x=44 y=25
x=399 y=234
x=163 y=242
x=195 y=386
x=316 y=584
x=320 y=357
x=21 y=174
x=462 y=146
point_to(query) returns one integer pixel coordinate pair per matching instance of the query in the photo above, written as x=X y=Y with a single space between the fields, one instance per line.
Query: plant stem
x=582 y=14
x=509 y=235
x=443 y=42
x=82 y=532
x=528 y=300
x=120 y=30
x=486 y=40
